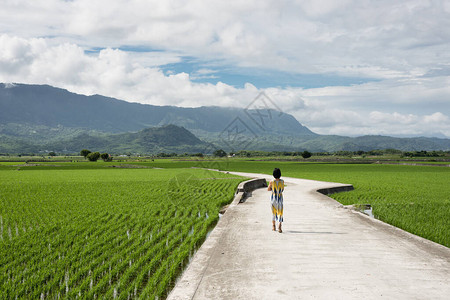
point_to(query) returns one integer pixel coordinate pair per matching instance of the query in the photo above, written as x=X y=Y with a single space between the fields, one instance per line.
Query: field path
x=324 y=252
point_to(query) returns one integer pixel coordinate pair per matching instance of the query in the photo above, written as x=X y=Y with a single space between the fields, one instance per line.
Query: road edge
x=191 y=277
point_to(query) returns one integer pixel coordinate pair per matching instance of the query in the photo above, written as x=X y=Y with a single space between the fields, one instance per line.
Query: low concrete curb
x=190 y=279
x=337 y=189
x=250 y=185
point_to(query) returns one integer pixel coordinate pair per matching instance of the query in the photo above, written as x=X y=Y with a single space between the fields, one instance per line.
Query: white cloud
x=392 y=118
x=111 y=72
x=203 y=74
x=436 y=124
x=343 y=122
x=370 y=38
x=436 y=118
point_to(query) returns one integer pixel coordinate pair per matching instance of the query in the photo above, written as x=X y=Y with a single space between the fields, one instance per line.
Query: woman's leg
x=274 y=218
x=280 y=215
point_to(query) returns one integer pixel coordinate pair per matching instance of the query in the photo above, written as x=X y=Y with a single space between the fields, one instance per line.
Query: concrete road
x=324 y=252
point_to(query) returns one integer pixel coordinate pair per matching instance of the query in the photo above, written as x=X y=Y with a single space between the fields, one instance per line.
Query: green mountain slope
x=10 y=144
x=168 y=138
x=373 y=142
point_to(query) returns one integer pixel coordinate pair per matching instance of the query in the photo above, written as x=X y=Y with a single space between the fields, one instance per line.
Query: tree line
x=306 y=154
x=94 y=156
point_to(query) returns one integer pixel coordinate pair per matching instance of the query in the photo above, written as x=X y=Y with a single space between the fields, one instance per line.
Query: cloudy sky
x=347 y=67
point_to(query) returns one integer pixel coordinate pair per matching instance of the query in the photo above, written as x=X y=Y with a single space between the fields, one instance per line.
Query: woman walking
x=277 y=188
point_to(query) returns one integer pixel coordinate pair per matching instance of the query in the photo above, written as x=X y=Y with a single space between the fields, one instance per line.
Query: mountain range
x=37 y=118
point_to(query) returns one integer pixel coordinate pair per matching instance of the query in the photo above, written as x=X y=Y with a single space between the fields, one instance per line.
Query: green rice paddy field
x=91 y=230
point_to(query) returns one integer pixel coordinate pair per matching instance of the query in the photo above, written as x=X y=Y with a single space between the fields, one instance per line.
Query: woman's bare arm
x=269 y=188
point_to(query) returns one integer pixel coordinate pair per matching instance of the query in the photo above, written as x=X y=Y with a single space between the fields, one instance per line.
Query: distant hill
x=334 y=143
x=169 y=138
x=40 y=117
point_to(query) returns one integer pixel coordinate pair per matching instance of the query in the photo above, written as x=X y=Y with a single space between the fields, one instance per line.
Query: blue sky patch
x=212 y=72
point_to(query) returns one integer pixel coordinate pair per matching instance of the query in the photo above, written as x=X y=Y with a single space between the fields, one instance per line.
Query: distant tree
x=349 y=153
x=242 y=153
x=93 y=156
x=52 y=154
x=392 y=151
x=198 y=154
x=85 y=152
x=163 y=154
x=106 y=157
x=219 y=153
x=306 y=154
x=407 y=154
x=376 y=152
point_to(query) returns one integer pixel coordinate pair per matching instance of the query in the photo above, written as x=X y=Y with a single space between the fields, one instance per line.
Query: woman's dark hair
x=276 y=173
